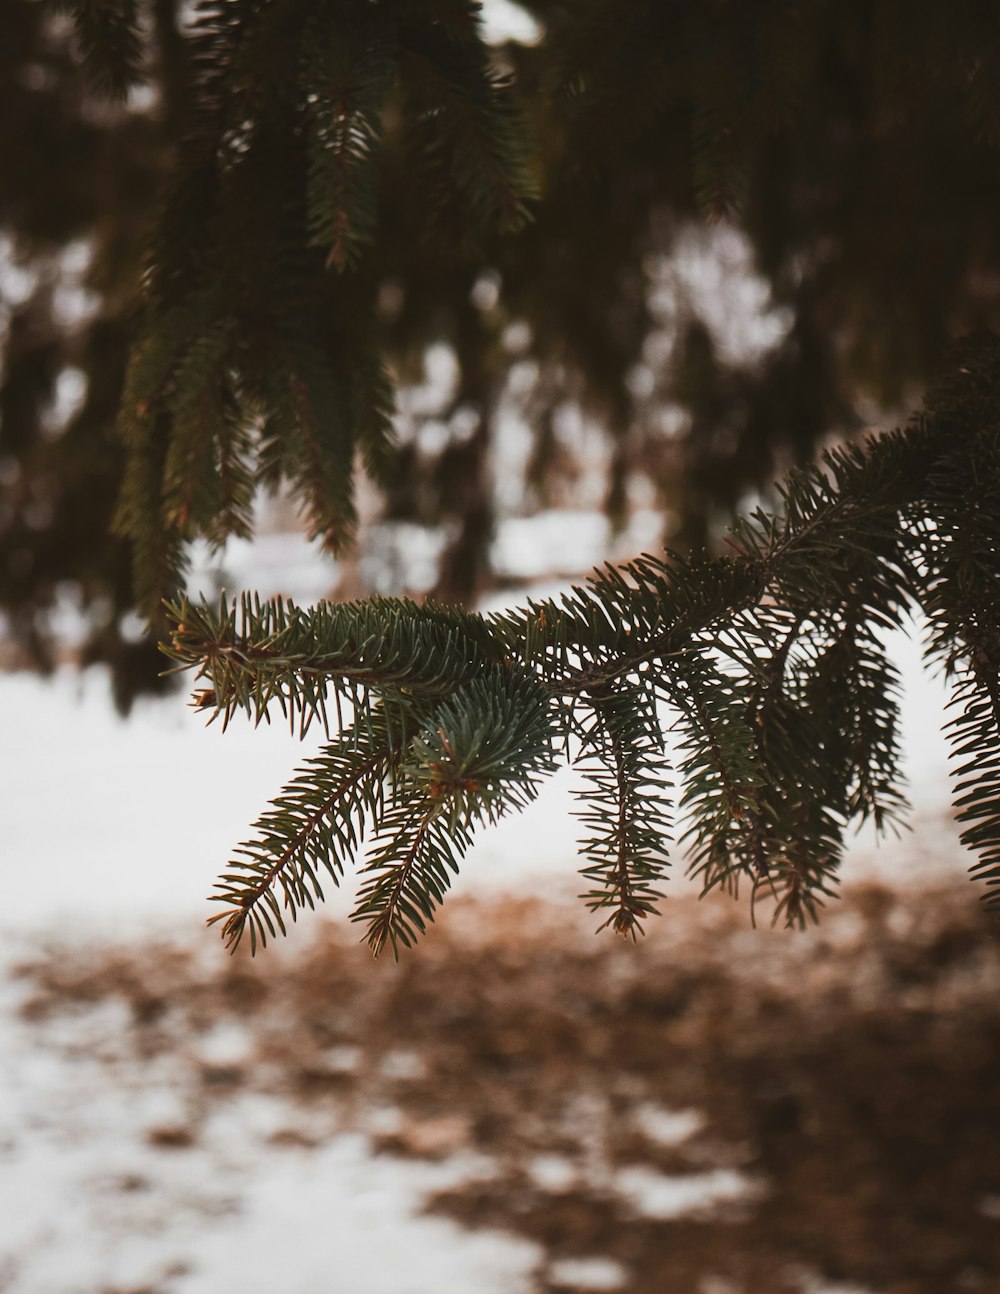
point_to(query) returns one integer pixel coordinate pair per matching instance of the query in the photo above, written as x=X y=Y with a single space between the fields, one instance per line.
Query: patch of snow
x=587 y=1274
x=73 y=304
x=339 y=1219
x=667 y=1127
x=19 y=279
x=160 y=1106
x=249 y=1115
x=559 y=540
x=662 y=1196
x=67 y=400
x=273 y=565
x=416 y=401
x=384 y=1120
x=402 y=1065
x=710 y=274
x=94 y=1199
x=402 y=557
x=343 y=1060
x=113 y=824
x=553 y=1173
x=503 y=20
x=225 y=1044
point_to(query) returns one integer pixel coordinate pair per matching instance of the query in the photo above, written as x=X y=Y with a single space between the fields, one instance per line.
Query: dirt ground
x=838 y=1091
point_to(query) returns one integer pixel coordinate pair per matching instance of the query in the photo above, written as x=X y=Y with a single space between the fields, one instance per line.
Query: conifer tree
x=328 y=147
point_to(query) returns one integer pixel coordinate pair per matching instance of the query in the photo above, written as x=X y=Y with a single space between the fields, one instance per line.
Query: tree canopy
x=340 y=185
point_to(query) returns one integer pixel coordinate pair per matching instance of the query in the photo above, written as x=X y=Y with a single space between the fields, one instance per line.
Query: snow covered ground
x=93 y=809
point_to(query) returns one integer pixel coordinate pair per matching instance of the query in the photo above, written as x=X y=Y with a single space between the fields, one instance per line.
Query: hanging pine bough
x=769 y=662
x=257 y=360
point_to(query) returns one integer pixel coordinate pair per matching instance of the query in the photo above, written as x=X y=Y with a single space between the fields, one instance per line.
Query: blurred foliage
x=846 y=149
x=79 y=174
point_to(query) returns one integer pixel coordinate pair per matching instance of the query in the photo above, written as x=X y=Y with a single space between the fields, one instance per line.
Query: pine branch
x=275 y=186
x=770 y=661
x=276 y=652
x=722 y=777
x=976 y=733
x=408 y=877
x=316 y=824
x=347 y=72
x=468 y=138
x=483 y=753
x=959 y=550
x=312 y=417
x=110 y=42
x=626 y=810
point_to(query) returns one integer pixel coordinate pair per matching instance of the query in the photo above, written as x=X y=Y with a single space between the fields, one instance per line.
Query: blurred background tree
x=759 y=227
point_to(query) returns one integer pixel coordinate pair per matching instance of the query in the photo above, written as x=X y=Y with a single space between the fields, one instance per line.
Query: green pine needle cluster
x=757 y=683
